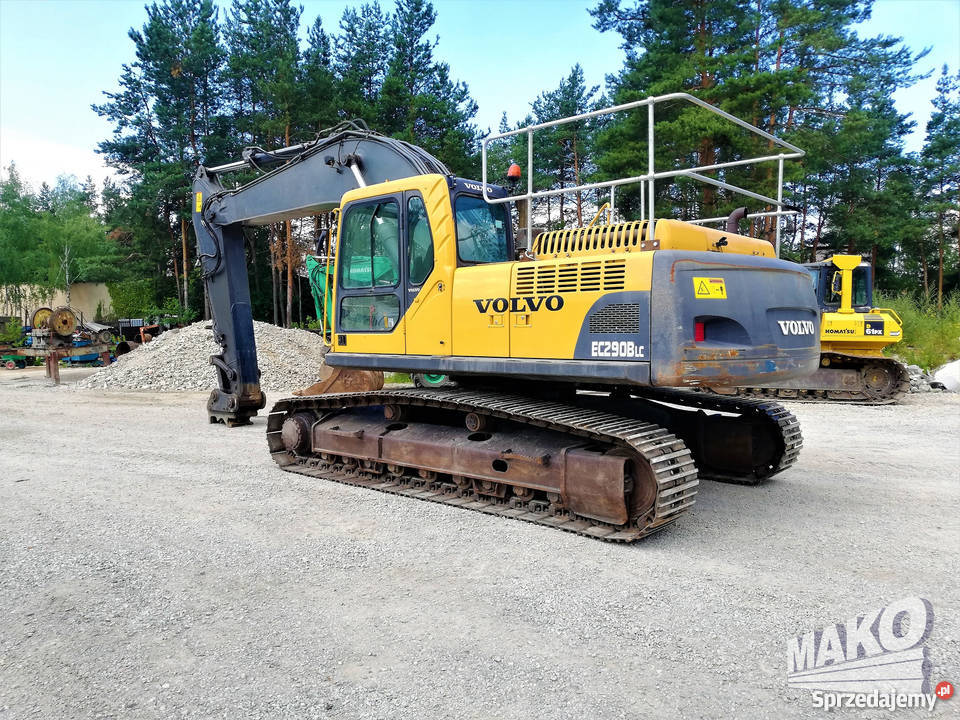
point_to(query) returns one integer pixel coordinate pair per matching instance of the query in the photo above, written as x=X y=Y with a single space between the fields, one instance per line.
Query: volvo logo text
x=519 y=305
x=797 y=327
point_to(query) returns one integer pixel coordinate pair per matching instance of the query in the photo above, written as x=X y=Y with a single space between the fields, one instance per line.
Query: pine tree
x=419 y=101
x=361 y=58
x=565 y=152
x=166 y=109
x=941 y=165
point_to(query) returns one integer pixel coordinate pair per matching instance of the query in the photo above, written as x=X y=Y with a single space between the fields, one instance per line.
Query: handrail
x=651 y=175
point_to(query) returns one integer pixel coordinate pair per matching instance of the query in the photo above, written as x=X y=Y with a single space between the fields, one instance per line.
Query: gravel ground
x=155 y=566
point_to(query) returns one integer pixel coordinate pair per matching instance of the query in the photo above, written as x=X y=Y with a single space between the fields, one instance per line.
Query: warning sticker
x=199 y=201
x=709 y=288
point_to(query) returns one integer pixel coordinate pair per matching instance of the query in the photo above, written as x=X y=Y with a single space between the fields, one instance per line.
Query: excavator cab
x=828 y=283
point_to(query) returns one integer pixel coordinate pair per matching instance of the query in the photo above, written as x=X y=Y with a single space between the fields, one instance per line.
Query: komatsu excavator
x=853 y=335
x=563 y=414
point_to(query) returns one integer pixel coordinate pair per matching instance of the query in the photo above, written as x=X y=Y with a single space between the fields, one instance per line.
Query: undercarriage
x=618 y=465
x=867 y=380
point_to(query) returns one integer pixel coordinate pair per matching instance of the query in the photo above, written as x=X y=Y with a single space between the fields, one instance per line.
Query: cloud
x=41 y=160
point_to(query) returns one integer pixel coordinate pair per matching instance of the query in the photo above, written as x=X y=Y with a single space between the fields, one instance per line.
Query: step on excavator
x=853 y=335
x=566 y=362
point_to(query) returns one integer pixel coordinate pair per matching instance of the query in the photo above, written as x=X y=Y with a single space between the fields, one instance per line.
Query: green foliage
x=396 y=379
x=53 y=237
x=931 y=336
x=200 y=86
x=173 y=312
x=797 y=69
x=11 y=332
x=132 y=298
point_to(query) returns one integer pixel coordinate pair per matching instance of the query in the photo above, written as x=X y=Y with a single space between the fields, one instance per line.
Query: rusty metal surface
x=615 y=468
x=65 y=351
x=340 y=380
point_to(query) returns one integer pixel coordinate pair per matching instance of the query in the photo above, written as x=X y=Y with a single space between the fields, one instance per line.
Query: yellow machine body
x=845 y=330
x=538 y=309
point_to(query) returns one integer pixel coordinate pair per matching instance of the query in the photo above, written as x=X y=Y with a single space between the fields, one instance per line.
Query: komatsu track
x=844 y=378
x=566 y=465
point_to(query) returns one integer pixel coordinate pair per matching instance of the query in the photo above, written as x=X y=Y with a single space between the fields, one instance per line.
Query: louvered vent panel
x=525 y=275
x=614 y=274
x=571 y=277
x=591 y=276
x=568 y=276
x=546 y=280
x=599 y=238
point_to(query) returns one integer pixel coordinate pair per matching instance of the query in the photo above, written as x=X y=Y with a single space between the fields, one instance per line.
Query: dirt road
x=155 y=566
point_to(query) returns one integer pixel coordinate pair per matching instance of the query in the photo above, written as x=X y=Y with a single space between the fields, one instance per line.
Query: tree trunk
x=176 y=276
x=576 y=181
x=289 y=317
x=186 y=280
x=816 y=238
x=803 y=230
x=940 y=246
x=273 y=277
x=926 y=270
x=289 y=273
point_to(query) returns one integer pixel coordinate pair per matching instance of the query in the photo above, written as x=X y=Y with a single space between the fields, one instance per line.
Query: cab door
x=370 y=293
x=426 y=280
x=481 y=283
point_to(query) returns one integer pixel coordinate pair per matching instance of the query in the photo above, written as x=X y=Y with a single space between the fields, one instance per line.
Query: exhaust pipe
x=733 y=220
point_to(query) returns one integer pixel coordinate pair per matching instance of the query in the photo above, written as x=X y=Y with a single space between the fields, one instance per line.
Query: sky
x=57 y=57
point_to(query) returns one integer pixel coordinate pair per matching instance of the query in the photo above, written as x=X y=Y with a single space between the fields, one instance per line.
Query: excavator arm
x=297 y=181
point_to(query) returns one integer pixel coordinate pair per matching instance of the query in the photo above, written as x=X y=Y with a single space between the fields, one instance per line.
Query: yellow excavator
x=566 y=352
x=853 y=335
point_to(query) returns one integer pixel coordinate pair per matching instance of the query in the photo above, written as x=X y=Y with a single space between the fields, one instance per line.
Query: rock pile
x=180 y=360
x=922 y=381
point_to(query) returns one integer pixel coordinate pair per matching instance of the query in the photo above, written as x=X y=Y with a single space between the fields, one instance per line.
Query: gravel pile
x=180 y=360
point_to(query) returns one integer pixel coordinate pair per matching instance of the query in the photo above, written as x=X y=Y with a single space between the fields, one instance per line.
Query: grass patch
x=397 y=378
x=931 y=337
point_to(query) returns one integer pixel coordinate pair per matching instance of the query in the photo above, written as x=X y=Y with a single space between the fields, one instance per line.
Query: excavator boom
x=305 y=179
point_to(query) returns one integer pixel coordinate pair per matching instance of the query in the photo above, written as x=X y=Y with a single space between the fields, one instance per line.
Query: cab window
x=481 y=230
x=815 y=279
x=860 y=287
x=419 y=241
x=370 y=246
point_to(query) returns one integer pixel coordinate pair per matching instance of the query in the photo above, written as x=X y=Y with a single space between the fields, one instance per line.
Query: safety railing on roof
x=651 y=176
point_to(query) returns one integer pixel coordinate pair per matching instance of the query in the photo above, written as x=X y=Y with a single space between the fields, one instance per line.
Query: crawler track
x=883 y=381
x=779 y=424
x=662 y=461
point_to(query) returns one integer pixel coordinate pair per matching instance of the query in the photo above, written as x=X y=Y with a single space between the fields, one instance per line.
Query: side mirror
x=836 y=285
x=321 y=243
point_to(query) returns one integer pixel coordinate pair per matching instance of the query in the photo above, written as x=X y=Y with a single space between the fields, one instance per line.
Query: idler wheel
x=295 y=432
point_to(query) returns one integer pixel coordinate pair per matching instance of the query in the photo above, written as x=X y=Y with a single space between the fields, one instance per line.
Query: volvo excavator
x=565 y=411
